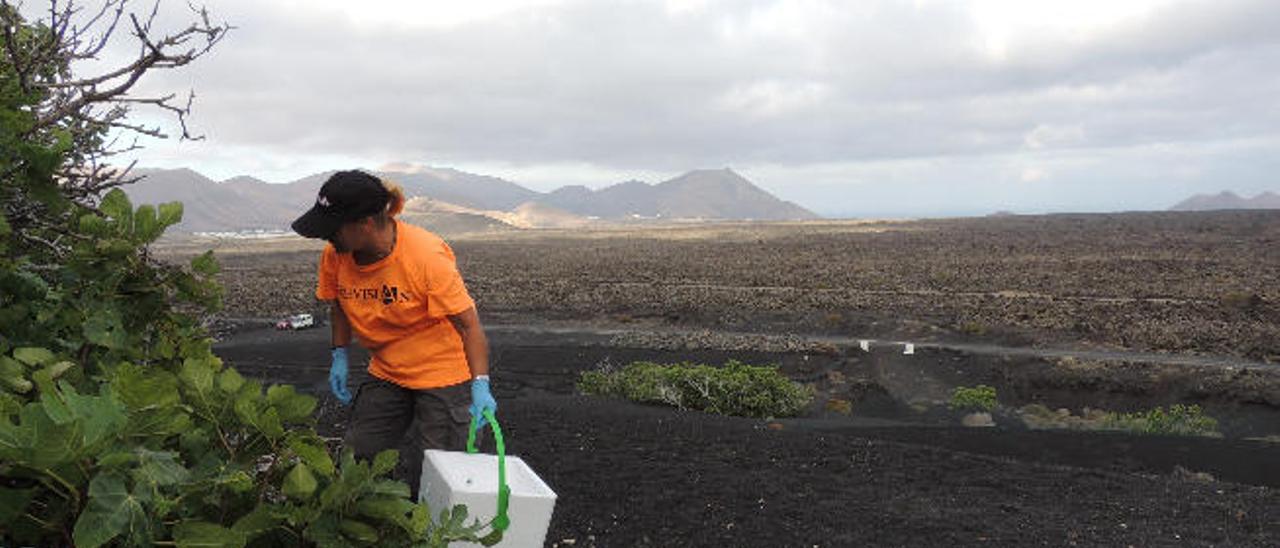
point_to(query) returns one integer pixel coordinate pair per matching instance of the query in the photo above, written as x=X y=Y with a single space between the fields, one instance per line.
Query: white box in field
x=454 y=477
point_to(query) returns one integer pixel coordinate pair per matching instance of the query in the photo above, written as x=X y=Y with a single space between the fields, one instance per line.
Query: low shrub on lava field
x=734 y=389
x=976 y=398
x=1183 y=420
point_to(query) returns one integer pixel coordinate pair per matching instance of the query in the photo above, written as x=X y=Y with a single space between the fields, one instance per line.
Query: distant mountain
x=242 y=203
x=245 y=203
x=1228 y=200
x=458 y=187
x=702 y=194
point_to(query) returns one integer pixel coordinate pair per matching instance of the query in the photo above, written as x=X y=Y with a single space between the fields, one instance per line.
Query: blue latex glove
x=338 y=375
x=482 y=399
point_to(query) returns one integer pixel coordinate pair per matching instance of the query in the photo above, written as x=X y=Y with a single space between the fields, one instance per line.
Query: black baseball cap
x=347 y=196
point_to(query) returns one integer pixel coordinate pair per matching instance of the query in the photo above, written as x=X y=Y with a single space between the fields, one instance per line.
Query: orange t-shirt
x=398 y=305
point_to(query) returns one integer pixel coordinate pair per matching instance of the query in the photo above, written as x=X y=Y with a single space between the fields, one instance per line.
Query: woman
x=397 y=288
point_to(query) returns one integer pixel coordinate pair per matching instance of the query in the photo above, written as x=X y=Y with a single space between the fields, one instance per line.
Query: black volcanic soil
x=632 y=475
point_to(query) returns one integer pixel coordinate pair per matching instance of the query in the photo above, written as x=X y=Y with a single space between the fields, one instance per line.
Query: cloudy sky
x=872 y=109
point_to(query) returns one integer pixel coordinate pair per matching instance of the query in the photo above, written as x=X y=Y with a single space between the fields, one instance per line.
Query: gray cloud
x=809 y=93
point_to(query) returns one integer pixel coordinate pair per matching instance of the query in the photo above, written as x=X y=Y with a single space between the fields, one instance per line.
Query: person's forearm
x=340 y=326
x=476 y=346
x=474 y=342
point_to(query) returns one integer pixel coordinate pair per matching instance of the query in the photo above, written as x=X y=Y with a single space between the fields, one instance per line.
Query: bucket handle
x=501 y=521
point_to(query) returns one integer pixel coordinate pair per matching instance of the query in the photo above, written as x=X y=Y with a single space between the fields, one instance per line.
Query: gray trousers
x=385 y=415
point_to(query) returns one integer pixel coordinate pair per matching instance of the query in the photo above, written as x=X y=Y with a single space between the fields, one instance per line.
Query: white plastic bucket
x=454 y=477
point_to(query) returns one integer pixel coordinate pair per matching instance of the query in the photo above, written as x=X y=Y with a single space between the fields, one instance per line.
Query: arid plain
x=1121 y=312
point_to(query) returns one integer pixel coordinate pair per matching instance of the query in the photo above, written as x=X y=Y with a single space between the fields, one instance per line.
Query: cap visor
x=316 y=224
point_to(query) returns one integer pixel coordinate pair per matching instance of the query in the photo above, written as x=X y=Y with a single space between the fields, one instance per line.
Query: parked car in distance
x=296 y=321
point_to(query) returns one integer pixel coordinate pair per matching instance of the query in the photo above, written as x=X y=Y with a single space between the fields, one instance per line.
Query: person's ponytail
x=395 y=203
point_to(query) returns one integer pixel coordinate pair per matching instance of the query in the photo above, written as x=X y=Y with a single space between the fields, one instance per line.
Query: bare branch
x=155 y=53
x=149 y=131
x=91 y=81
x=92 y=109
x=53 y=246
x=93 y=45
x=106 y=6
x=180 y=112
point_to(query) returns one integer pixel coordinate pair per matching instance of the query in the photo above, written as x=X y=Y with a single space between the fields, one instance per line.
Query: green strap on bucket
x=500 y=521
